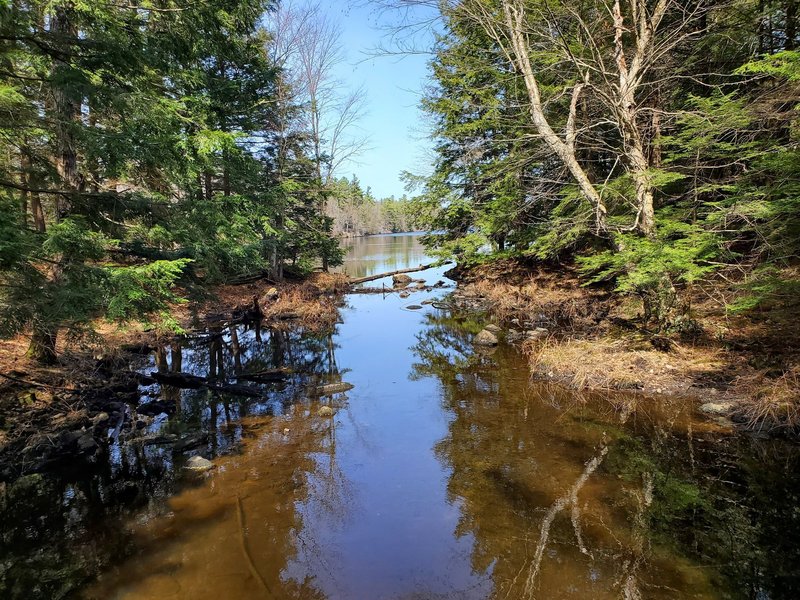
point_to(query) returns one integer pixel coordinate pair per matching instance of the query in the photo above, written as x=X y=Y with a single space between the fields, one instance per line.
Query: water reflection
x=381 y=253
x=234 y=535
x=60 y=529
x=606 y=497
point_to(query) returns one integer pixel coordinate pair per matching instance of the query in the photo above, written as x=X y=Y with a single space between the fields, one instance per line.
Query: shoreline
x=589 y=339
x=573 y=336
x=53 y=416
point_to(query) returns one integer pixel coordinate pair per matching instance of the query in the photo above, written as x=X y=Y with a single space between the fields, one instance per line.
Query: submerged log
x=398 y=272
x=332 y=388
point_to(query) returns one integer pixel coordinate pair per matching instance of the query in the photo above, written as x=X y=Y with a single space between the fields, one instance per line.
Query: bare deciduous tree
x=620 y=45
x=306 y=45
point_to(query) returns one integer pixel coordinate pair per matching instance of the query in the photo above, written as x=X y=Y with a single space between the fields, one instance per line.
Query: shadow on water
x=445 y=473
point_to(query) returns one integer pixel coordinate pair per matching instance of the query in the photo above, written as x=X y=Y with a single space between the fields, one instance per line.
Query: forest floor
x=49 y=414
x=746 y=368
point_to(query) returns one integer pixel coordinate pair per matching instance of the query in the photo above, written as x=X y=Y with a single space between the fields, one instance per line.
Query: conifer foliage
x=140 y=150
x=655 y=142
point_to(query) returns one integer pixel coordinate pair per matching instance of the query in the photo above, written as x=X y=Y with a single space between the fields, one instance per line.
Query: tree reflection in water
x=154 y=530
x=589 y=496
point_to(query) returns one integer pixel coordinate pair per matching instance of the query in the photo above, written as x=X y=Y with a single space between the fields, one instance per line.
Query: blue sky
x=393 y=86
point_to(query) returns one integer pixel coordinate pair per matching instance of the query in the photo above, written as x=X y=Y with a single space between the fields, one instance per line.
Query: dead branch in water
x=398 y=272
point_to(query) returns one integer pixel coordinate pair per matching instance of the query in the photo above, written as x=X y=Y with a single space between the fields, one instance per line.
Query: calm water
x=445 y=473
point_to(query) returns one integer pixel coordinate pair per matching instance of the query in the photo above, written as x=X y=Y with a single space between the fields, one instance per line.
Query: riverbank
x=53 y=415
x=742 y=368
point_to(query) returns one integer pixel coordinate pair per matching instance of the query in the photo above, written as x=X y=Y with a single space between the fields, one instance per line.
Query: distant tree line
x=356 y=212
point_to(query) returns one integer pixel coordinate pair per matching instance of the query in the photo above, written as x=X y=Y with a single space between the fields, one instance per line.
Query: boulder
x=401 y=280
x=537 y=334
x=514 y=335
x=87 y=444
x=199 y=464
x=495 y=329
x=325 y=411
x=485 y=338
x=100 y=418
x=270 y=295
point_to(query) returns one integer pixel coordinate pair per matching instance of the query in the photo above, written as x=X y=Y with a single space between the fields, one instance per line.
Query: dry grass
x=313 y=304
x=623 y=363
x=514 y=292
x=772 y=403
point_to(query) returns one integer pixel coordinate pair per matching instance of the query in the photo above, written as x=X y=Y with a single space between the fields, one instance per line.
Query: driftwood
x=188 y=381
x=398 y=272
x=332 y=388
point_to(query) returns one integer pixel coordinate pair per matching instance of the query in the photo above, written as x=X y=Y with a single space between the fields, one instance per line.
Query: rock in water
x=401 y=280
x=199 y=464
x=404 y=294
x=717 y=408
x=325 y=411
x=485 y=338
x=413 y=307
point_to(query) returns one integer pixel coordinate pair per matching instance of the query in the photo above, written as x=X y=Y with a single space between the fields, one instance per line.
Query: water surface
x=444 y=473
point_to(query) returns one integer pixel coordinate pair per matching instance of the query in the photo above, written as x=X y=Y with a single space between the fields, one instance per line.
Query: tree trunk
x=625 y=110
x=67 y=112
x=791 y=24
x=564 y=150
x=42 y=348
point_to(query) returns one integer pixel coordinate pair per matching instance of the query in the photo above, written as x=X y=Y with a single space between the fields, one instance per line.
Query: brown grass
x=313 y=303
x=623 y=363
x=773 y=403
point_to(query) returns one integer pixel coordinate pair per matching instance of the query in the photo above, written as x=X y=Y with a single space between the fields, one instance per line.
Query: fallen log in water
x=398 y=272
x=265 y=376
x=189 y=381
